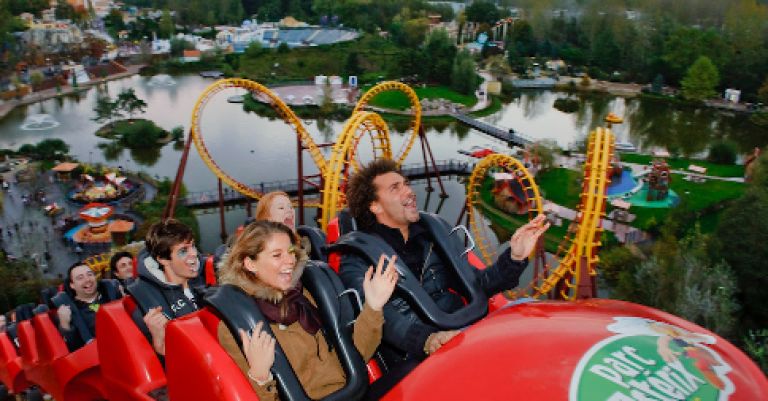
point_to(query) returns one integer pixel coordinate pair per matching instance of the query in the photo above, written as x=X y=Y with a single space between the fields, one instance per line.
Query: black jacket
x=83 y=326
x=150 y=290
x=405 y=331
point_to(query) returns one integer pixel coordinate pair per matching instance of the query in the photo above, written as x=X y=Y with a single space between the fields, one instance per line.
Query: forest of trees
x=657 y=40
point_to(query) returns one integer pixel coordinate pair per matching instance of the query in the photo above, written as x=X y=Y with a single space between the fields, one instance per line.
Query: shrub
x=722 y=152
x=567 y=105
x=139 y=134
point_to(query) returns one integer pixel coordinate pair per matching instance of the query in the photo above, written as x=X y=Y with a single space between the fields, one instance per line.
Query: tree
x=141 y=134
x=166 y=25
x=463 y=77
x=130 y=103
x=65 y=10
x=254 y=50
x=179 y=45
x=722 y=152
x=740 y=237
x=51 y=149
x=762 y=93
x=439 y=53
x=685 y=45
x=680 y=277
x=36 y=78
x=106 y=110
x=498 y=67
x=414 y=31
x=482 y=11
x=701 y=80
x=523 y=41
x=352 y=64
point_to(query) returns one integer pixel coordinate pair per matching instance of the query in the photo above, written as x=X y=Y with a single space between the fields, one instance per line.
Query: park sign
x=650 y=360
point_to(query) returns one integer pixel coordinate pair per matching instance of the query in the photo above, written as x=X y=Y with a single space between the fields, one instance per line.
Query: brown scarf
x=294 y=306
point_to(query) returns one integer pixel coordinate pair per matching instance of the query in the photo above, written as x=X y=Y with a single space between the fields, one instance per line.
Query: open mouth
x=288 y=221
x=286 y=275
x=410 y=203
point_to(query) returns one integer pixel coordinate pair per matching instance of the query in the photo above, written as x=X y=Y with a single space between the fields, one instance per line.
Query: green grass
x=560 y=185
x=398 y=101
x=508 y=223
x=699 y=197
x=494 y=107
x=681 y=163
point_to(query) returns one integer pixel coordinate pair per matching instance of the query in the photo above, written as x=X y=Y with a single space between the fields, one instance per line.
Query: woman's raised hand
x=259 y=350
x=378 y=285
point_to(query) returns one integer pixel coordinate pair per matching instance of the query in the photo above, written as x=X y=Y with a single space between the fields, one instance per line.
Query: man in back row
x=87 y=295
x=383 y=204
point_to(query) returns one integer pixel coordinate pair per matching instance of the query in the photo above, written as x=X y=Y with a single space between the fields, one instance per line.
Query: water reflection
x=39 y=122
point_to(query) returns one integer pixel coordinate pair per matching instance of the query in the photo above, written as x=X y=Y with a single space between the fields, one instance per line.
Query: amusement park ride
x=551 y=340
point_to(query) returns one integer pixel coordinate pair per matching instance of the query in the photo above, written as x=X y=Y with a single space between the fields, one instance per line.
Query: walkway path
x=27 y=232
x=483 y=100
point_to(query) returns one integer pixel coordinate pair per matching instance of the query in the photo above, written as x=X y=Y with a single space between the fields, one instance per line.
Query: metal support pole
x=585 y=287
x=426 y=167
x=423 y=136
x=461 y=215
x=170 y=205
x=221 y=213
x=300 y=167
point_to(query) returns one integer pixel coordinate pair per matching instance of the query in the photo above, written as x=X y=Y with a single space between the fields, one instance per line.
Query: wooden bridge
x=210 y=198
x=507 y=135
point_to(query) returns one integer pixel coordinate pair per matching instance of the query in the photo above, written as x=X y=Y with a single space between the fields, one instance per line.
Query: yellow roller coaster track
x=258 y=90
x=343 y=158
x=524 y=179
x=98 y=263
x=415 y=107
x=582 y=241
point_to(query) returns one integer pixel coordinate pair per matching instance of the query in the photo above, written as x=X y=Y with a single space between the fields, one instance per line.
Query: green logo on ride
x=651 y=361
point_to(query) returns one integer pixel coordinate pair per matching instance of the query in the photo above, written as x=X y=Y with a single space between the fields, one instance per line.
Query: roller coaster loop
x=415 y=107
x=344 y=158
x=282 y=109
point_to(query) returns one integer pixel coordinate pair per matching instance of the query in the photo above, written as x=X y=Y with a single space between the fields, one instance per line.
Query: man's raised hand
x=378 y=285
x=525 y=238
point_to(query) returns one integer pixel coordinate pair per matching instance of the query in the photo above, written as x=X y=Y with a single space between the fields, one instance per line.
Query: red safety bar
x=130 y=368
x=75 y=376
x=332 y=235
x=30 y=359
x=197 y=367
x=50 y=346
x=11 y=373
x=210 y=271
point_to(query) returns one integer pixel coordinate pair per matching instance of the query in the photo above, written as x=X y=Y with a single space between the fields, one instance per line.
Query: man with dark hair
x=383 y=204
x=87 y=294
x=166 y=267
x=121 y=266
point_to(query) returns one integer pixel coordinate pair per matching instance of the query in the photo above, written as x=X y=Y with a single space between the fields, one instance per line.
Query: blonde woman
x=266 y=263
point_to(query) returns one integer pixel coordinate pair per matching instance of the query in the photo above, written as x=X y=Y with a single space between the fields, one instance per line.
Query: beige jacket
x=317 y=367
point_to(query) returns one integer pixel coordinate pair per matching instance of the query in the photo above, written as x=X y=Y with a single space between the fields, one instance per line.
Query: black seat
x=240 y=311
x=318 y=248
